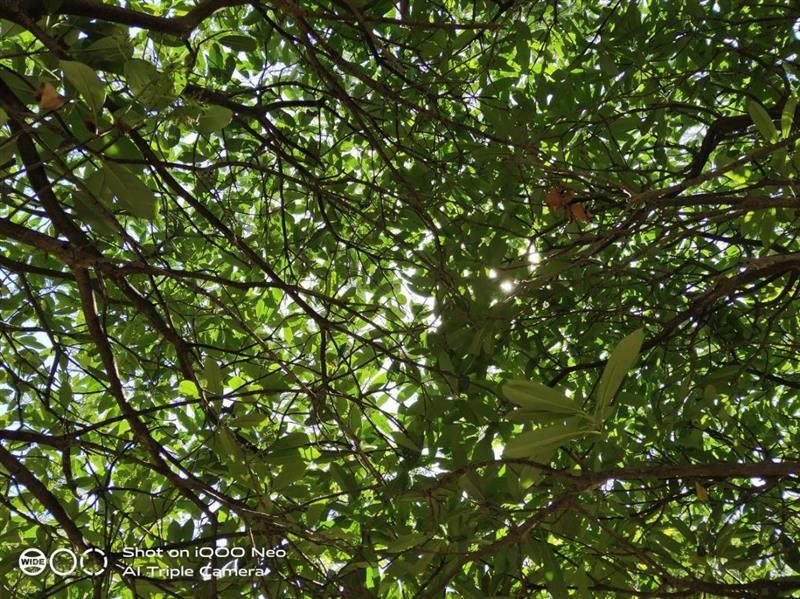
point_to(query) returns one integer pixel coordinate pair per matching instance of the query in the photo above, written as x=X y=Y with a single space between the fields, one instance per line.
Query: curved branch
x=20 y=472
x=179 y=26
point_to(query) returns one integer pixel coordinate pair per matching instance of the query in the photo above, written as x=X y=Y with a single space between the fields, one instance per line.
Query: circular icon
x=32 y=561
x=98 y=569
x=70 y=556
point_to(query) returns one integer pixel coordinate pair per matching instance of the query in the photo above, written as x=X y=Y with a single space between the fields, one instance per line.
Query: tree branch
x=50 y=502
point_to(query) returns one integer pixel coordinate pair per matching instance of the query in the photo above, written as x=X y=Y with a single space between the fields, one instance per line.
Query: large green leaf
x=240 y=43
x=526 y=445
x=86 y=81
x=787 y=115
x=132 y=193
x=214 y=119
x=214 y=375
x=540 y=398
x=763 y=121
x=622 y=359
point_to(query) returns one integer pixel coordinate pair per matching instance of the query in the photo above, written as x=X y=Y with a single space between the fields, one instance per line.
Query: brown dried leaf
x=48 y=98
x=558 y=198
x=578 y=212
x=700 y=490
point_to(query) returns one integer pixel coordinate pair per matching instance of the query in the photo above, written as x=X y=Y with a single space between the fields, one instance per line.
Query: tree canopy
x=465 y=299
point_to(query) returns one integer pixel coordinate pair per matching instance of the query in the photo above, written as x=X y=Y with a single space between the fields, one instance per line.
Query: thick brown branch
x=754 y=270
x=724 y=127
x=649 y=196
x=22 y=267
x=179 y=26
x=727 y=286
x=693 y=471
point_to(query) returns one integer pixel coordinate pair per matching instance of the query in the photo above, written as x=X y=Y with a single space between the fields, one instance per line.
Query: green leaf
x=122 y=149
x=240 y=43
x=787 y=116
x=214 y=119
x=189 y=389
x=214 y=376
x=553 y=575
x=344 y=478
x=763 y=121
x=106 y=51
x=154 y=89
x=291 y=472
x=537 y=397
x=247 y=420
x=8 y=150
x=405 y=441
x=132 y=193
x=143 y=508
x=86 y=81
x=90 y=211
x=470 y=482
x=768 y=229
x=622 y=359
x=314 y=512
x=291 y=440
x=65 y=393
x=406 y=542
x=22 y=85
x=139 y=74
x=230 y=446
x=528 y=444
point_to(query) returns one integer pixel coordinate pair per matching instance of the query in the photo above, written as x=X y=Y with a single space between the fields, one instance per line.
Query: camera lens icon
x=90 y=568
x=63 y=562
x=32 y=561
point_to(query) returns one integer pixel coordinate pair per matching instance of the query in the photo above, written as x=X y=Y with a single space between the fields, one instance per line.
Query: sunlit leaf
x=787 y=115
x=763 y=121
x=214 y=375
x=214 y=119
x=528 y=444
x=538 y=397
x=189 y=388
x=622 y=359
x=86 y=81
